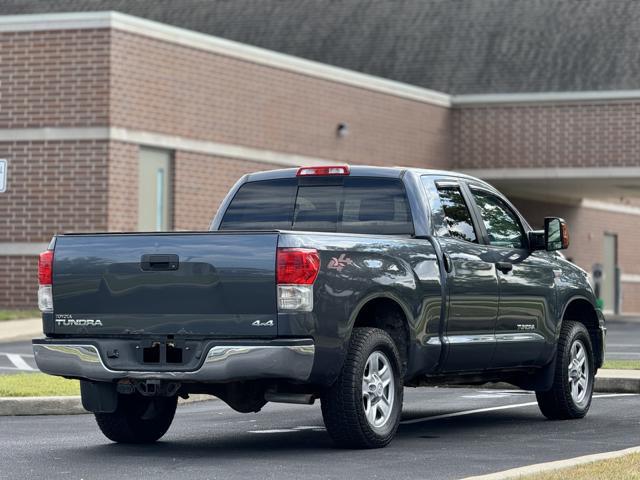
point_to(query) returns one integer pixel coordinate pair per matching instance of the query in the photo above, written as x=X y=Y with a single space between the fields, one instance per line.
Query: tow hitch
x=148 y=388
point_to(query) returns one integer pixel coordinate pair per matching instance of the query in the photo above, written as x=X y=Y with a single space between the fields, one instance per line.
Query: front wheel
x=570 y=396
x=138 y=419
x=362 y=408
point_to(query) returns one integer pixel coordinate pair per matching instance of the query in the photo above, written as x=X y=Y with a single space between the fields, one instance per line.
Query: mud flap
x=542 y=381
x=99 y=397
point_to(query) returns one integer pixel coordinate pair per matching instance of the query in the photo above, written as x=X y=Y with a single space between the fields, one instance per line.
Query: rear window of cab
x=369 y=205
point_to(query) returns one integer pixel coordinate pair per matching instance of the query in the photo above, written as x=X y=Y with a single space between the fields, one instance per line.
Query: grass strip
x=37 y=385
x=622 y=364
x=622 y=468
x=18 y=314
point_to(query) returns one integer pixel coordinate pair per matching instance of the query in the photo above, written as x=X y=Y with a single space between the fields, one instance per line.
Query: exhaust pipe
x=299 y=398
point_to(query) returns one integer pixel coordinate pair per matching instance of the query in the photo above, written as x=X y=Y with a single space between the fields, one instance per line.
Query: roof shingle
x=454 y=46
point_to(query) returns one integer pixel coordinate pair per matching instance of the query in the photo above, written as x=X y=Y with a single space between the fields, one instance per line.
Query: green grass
x=37 y=385
x=623 y=468
x=622 y=364
x=18 y=314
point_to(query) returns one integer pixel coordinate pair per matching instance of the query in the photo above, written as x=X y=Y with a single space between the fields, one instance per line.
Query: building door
x=154 y=190
x=609 y=267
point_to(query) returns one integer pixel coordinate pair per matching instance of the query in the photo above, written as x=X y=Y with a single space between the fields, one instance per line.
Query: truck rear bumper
x=222 y=363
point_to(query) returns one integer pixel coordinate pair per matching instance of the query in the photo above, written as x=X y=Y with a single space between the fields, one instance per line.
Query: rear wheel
x=362 y=409
x=570 y=396
x=138 y=419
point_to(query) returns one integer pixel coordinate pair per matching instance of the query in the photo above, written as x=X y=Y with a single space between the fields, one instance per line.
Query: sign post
x=3 y=175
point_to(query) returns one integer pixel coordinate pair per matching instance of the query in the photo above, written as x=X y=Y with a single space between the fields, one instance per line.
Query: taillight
x=296 y=270
x=328 y=170
x=44 y=268
x=45 y=279
x=298 y=266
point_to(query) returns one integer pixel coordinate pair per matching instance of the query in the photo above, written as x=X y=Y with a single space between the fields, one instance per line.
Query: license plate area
x=157 y=353
x=163 y=352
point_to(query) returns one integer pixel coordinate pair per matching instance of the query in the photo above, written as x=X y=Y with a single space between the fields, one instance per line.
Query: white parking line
x=501 y=407
x=18 y=361
x=304 y=428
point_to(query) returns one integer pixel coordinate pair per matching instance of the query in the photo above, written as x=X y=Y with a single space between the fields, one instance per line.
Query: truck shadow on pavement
x=240 y=443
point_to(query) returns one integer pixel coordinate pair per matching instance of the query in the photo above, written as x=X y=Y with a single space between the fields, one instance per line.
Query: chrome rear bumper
x=222 y=363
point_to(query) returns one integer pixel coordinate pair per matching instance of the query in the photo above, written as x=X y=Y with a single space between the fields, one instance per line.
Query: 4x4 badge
x=258 y=323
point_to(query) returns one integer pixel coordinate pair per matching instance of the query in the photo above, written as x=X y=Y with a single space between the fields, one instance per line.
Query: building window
x=154 y=190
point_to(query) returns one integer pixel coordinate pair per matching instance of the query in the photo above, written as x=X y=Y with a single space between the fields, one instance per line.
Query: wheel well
x=582 y=311
x=387 y=315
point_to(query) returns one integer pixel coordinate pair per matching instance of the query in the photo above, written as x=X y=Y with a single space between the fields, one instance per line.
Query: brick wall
x=54 y=78
x=18 y=281
x=571 y=135
x=123 y=187
x=53 y=187
x=631 y=298
x=587 y=227
x=163 y=87
x=201 y=183
x=50 y=79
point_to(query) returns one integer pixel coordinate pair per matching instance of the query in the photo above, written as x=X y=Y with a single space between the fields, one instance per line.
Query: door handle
x=448 y=264
x=504 y=267
x=159 y=262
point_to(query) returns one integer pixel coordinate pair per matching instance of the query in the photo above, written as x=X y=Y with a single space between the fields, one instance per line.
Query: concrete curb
x=551 y=466
x=617 y=384
x=41 y=406
x=72 y=405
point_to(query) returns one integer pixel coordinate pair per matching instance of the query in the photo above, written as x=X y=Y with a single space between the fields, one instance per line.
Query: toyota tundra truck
x=339 y=284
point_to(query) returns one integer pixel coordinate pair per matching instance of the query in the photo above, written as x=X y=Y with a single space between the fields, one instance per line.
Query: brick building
x=111 y=122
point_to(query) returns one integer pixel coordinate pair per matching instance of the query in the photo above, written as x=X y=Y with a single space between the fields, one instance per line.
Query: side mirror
x=556 y=234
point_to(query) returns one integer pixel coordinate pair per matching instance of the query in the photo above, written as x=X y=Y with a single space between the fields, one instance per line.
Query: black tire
x=559 y=403
x=138 y=419
x=343 y=404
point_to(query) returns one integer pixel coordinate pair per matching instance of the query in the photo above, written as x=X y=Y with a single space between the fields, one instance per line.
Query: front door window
x=502 y=224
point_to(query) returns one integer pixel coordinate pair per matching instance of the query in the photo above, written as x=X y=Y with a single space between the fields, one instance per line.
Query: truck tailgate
x=213 y=283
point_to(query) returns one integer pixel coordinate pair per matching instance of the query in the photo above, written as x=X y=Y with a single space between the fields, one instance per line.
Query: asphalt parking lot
x=623 y=339
x=446 y=433
x=443 y=435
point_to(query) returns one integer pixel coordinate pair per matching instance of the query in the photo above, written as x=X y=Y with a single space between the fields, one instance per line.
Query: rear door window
x=456 y=214
x=355 y=205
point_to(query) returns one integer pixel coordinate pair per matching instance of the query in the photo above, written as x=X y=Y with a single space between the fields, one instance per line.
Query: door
x=472 y=284
x=154 y=195
x=609 y=264
x=526 y=283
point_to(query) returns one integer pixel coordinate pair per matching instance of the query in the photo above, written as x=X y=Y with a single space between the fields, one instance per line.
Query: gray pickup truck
x=333 y=283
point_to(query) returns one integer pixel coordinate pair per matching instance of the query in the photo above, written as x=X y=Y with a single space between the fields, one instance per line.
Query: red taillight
x=329 y=170
x=298 y=266
x=44 y=268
